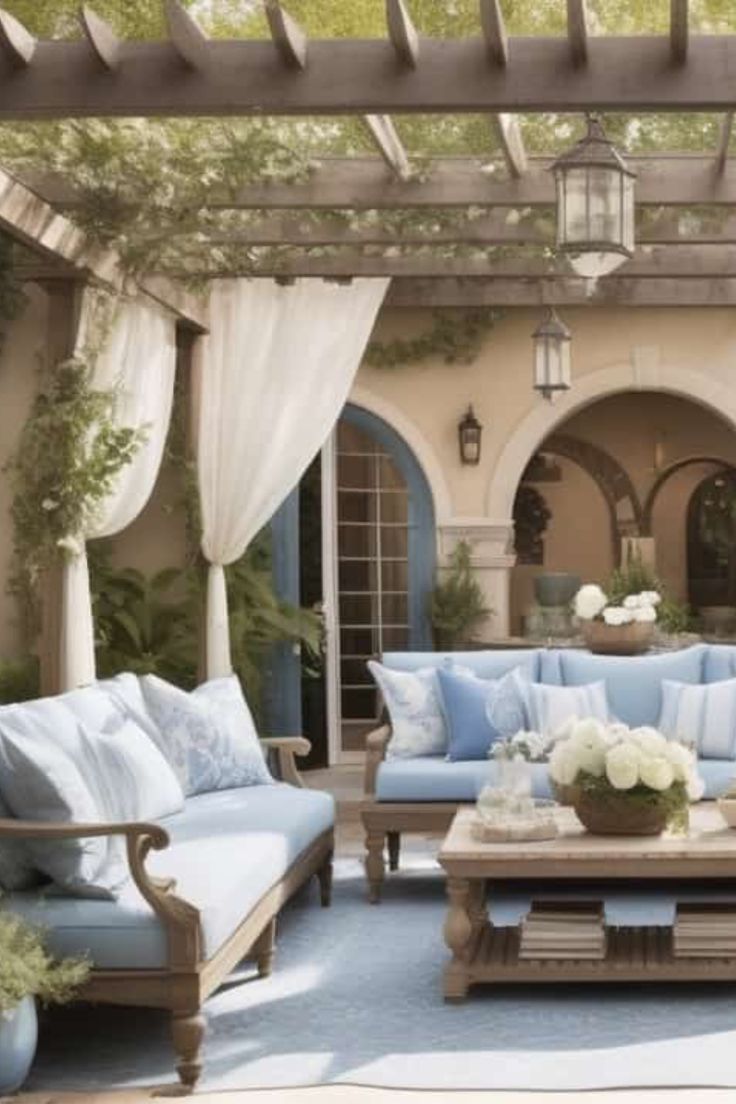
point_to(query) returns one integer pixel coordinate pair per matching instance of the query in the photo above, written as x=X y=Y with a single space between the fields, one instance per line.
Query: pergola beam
x=561 y=292
x=679 y=31
x=101 y=37
x=512 y=143
x=362 y=183
x=402 y=33
x=288 y=37
x=390 y=146
x=362 y=77
x=494 y=32
x=577 y=31
x=651 y=263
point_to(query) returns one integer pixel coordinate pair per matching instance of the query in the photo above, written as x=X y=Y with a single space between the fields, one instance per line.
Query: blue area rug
x=356 y=998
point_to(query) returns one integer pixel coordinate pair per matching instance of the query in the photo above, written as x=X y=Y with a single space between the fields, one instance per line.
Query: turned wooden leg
x=374 y=866
x=458 y=932
x=324 y=875
x=477 y=905
x=187 y=1029
x=394 y=846
x=265 y=949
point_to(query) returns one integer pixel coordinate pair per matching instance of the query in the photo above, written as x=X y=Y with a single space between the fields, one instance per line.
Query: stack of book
x=564 y=929
x=706 y=930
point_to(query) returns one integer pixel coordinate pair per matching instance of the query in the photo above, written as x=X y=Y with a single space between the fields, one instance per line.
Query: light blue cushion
x=717 y=774
x=485 y=664
x=633 y=683
x=552 y=707
x=479 y=712
x=435 y=779
x=228 y=848
x=719 y=663
x=550 y=669
x=703 y=716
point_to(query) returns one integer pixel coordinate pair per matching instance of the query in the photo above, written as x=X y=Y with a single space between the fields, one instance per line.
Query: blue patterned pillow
x=413 y=704
x=207 y=735
x=479 y=712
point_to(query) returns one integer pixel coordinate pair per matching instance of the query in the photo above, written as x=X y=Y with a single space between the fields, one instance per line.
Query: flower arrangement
x=608 y=762
x=532 y=747
x=591 y=603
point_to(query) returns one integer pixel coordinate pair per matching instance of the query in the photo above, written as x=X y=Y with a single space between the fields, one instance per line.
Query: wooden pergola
x=190 y=74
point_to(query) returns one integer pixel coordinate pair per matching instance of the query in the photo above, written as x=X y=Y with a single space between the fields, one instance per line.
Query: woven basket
x=617 y=815
x=631 y=639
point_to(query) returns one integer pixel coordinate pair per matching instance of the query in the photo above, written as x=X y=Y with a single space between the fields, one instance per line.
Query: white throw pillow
x=208 y=736
x=553 y=706
x=703 y=716
x=414 y=706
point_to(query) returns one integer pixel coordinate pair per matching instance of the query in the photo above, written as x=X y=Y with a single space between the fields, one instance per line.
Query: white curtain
x=273 y=374
x=138 y=360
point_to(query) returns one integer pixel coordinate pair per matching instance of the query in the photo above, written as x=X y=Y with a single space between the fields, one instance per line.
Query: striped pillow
x=703 y=716
x=553 y=706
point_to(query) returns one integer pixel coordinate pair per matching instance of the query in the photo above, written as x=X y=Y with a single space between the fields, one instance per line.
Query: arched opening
x=386 y=558
x=711 y=541
x=625 y=466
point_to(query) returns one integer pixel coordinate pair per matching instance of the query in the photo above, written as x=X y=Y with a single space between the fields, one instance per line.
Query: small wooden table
x=484 y=953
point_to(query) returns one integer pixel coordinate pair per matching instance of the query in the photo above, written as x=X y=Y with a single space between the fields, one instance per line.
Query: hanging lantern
x=469 y=433
x=595 y=205
x=551 y=355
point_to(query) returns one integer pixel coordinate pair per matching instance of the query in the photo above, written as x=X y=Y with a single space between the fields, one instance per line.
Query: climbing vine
x=11 y=293
x=455 y=336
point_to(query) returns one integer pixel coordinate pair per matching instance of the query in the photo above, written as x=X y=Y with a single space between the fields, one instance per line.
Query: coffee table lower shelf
x=634 y=954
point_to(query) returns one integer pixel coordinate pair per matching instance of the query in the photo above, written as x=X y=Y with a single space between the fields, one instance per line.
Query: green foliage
x=457 y=605
x=631 y=578
x=674 y=617
x=455 y=336
x=27 y=969
x=69 y=454
x=19 y=680
x=11 y=293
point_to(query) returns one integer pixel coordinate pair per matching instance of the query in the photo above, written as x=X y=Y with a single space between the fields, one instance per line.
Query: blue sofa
x=206 y=886
x=422 y=794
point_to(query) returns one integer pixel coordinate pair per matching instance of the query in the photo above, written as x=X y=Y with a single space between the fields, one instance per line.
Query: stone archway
x=719 y=464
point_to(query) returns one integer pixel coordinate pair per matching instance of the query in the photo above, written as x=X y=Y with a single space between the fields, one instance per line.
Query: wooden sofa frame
x=187 y=981
x=384 y=821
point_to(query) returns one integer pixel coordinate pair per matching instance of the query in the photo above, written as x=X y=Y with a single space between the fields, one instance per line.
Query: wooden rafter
x=512 y=143
x=577 y=31
x=361 y=77
x=288 y=37
x=187 y=37
x=494 y=32
x=101 y=37
x=389 y=144
x=724 y=142
x=614 y=291
x=18 y=45
x=402 y=33
x=654 y=263
x=679 y=30
x=495 y=228
x=362 y=182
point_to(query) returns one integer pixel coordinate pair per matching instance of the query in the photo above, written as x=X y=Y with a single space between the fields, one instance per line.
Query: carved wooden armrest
x=376 y=743
x=179 y=918
x=285 y=748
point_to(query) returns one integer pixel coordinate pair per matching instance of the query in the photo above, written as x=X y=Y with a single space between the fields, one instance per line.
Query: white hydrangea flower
x=622 y=766
x=650 y=597
x=656 y=772
x=649 y=740
x=632 y=601
x=589 y=732
x=645 y=613
x=589 y=601
x=617 y=615
x=563 y=764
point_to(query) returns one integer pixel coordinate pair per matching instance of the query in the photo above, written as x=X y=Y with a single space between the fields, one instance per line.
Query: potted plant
x=27 y=972
x=626 y=782
x=457 y=606
x=611 y=628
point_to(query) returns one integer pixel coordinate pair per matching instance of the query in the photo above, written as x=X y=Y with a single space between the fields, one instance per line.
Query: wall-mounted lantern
x=469 y=434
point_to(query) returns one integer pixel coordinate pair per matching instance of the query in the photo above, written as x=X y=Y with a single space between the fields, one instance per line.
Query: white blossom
x=646 y=614
x=622 y=766
x=589 y=601
x=656 y=772
x=617 y=615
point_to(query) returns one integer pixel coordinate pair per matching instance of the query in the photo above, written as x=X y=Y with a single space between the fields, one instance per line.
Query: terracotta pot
x=616 y=814
x=631 y=639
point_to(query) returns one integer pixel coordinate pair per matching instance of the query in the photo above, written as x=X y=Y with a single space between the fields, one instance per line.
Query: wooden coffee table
x=482 y=953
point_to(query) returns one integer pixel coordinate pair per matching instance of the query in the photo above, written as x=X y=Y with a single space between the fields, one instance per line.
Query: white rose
x=649 y=741
x=622 y=766
x=617 y=615
x=650 y=597
x=632 y=601
x=589 y=601
x=656 y=772
x=617 y=732
x=563 y=764
x=589 y=732
x=645 y=613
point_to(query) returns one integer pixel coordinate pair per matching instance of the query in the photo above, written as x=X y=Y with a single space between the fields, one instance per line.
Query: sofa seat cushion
x=435 y=779
x=633 y=683
x=227 y=849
